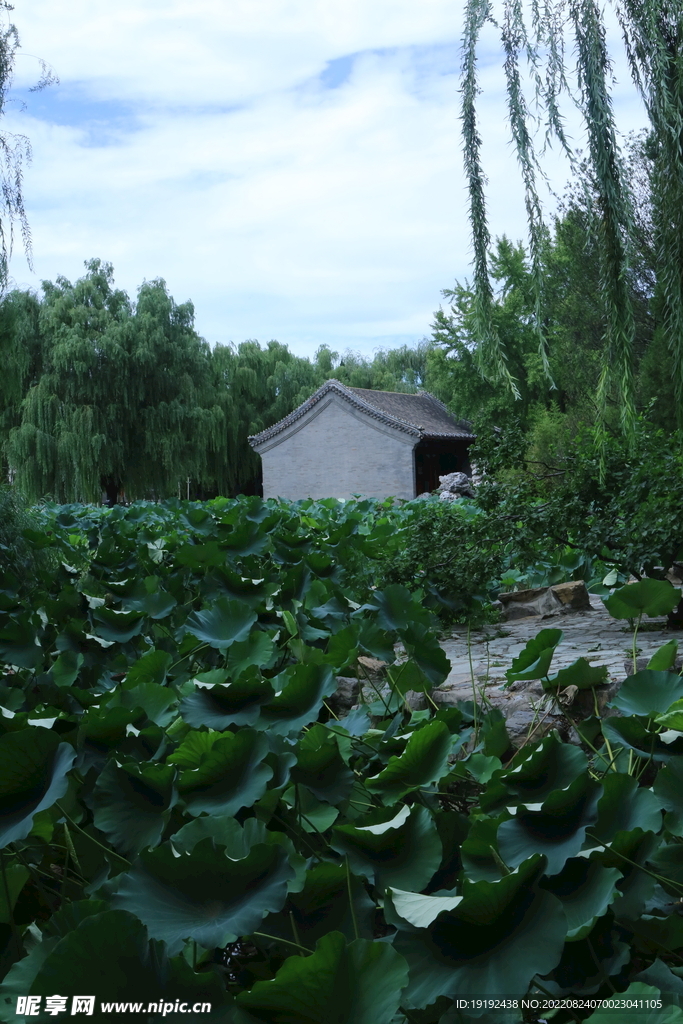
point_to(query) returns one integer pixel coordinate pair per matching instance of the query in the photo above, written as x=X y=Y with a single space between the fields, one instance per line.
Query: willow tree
x=125 y=399
x=559 y=51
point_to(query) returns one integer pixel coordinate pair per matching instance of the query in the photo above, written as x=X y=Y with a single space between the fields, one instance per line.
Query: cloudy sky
x=292 y=166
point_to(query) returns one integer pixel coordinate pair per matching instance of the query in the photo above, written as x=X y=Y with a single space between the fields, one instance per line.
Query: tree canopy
x=553 y=45
x=102 y=393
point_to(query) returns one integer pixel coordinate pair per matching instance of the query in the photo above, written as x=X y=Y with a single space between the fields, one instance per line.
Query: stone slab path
x=593 y=635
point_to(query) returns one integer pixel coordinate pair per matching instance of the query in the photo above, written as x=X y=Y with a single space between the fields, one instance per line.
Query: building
x=344 y=441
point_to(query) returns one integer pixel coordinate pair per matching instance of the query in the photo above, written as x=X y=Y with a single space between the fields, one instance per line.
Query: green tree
x=125 y=399
x=653 y=34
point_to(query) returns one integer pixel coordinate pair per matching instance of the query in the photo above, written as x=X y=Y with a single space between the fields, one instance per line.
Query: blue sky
x=292 y=166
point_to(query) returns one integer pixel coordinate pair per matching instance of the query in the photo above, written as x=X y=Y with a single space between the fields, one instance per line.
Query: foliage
x=102 y=393
x=536 y=43
x=181 y=817
x=448 y=549
x=124 y=397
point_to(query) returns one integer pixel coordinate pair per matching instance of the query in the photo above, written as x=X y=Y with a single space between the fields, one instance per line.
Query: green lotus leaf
x=204 y=895
x=156 y=701
x=303 y=687
x=534 y=660
x=397 y=608
x=580 y=673
x=14 y=879
x=493 y=943
x=643 y=996
x=646 y=597
x=424 y=649
x=673 y=718
x=224 y=831
x=586 y=889
x=624 y=805
x=19 y=642
x=669 y=788
x=414 y=909
x=549 y=766
x=665 y=658
x=667 y=861
x=400 y=849
x=408 y=676
x=424 y=760
x=194 y=748
x=314 y=814
x=629 y=852
x=258 y=649
x=238 y=703
x=355 y=983
x=662 y=978
x=493 y=733
x=585 y=963
x=152 y=667
x=224 y=623
x=238 y=840
x=648 y=693
x=556 y=828
x=481 y=859
x=654 y=933
x=132 y=804
x=230 y=776
x=645 y=740
x=102 y=730
x=33 y=769
x=197 y=556
x=66 y=667
x=117 y=626
x=320 y=767
x=157 y=605
x=112 y=952
x=323 y=906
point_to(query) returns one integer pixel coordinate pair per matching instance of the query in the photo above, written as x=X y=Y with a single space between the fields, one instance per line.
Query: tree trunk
x=111 y=487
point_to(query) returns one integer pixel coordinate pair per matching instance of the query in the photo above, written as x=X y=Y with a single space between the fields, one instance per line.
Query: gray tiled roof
x=421 y=415
x=422 y=410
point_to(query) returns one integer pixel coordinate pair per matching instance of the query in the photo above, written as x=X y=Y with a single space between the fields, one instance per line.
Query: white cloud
x=202 y=144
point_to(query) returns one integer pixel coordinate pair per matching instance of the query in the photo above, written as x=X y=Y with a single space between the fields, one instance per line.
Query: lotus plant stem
x=635 y=635
x=351 y=906
x=190 y=654
x=600 y=968
x=285 y=942
x=16 y=938
x=598 y=753
x=633 y=863
x=607 y=743
x=329 y=709
x=474 y=688
x=295 y=932
x=88 y=836
x=71 y=849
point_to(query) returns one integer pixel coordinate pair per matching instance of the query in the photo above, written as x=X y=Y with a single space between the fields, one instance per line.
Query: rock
x=372 y=668
x=345 y=696
x=455 y=485
x=573 y=595
x=545 y=601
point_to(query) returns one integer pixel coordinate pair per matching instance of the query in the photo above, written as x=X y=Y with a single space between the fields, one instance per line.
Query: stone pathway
x=594 y=635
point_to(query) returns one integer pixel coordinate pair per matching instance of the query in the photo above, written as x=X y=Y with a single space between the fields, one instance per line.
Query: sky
x=293 y=167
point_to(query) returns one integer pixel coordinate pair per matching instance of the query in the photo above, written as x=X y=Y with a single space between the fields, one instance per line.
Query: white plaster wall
x=335 y=451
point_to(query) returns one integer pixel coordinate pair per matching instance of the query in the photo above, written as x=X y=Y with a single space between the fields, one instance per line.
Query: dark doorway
x=435 y=458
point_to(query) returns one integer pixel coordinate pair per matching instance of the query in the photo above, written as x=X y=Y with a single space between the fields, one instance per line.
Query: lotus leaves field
x=182 y=816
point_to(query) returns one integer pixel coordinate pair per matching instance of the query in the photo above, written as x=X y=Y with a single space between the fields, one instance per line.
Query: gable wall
x=335 y=451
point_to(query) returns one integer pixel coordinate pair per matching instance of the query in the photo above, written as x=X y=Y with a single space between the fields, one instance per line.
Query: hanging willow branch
x=536 y=38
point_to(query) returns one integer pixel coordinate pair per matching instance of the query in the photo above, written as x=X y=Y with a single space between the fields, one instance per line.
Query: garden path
x=593 y=635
